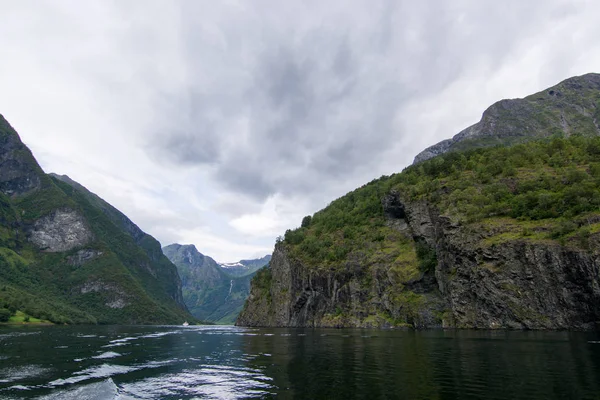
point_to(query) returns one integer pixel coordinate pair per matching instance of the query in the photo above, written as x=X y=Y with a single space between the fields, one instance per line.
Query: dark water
x=232 y=363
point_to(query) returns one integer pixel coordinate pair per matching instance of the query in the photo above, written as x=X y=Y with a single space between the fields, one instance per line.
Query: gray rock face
x=355 y=297
x=518 y=284
x=571 y=106
x=523 y=286
x=19 y=173
x=115 y=296
x=83 y=256
x=61 y=230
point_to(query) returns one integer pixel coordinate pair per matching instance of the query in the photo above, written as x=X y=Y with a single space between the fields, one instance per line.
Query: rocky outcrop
x=83 y=256
x=516 y=284
x=115 y=297
x=365 y=296
x=571 y=106
x=61 y=230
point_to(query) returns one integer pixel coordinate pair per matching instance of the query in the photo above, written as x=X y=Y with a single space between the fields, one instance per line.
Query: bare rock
x=83 y=256
x=61 y=230
x=115 y=296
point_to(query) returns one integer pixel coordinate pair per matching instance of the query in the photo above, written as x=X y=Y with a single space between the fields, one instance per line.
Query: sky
x=223 y=123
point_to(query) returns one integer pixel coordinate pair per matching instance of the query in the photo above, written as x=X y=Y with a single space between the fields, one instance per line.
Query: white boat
x=185 y=323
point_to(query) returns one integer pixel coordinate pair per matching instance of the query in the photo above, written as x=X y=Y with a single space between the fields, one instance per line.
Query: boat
x=185 y=323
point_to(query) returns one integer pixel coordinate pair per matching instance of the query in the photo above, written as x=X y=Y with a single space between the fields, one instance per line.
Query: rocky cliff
x=69 y=257
x=504 y=237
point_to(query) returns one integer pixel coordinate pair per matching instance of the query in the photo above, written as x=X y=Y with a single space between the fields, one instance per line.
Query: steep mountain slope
x=572 y=106
x=503 y=237
x=245 y=267
x=209 y=291
x=64 y=258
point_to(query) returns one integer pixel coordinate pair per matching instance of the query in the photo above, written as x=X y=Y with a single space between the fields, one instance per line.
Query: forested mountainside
x=213 y=292
x=500 y=237
x=67 y=256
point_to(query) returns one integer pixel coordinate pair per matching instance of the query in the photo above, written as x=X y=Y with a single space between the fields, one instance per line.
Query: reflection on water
x=230 y=363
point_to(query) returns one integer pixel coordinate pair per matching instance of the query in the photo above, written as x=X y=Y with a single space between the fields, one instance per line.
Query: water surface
x=123 y=362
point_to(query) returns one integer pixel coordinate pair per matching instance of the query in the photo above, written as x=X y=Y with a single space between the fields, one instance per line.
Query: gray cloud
x=319 y=94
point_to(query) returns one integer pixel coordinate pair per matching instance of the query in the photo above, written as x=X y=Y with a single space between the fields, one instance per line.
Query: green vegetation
x=21 y=318
x=352 y=226
x=262 y=281
x=5 y=315
x=123 y=271
x=132 y=261
x=539 y=190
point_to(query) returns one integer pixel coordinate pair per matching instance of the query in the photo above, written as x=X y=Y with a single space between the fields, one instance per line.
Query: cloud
x=223 y=123
x=320 y=94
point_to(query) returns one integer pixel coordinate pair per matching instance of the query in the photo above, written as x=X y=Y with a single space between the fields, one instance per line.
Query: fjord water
x=124 y=362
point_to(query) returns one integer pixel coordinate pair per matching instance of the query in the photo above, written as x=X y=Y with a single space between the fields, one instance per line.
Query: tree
x=4 y=315
x=306 y=221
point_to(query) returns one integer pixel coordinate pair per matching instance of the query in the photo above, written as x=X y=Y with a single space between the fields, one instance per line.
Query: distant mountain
x=245 y=267
x=212 y=292
x=571 y=107
x=68 y=256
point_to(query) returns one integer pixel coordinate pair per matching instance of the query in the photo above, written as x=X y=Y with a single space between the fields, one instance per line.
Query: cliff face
x=567 y=108
x=517 y=284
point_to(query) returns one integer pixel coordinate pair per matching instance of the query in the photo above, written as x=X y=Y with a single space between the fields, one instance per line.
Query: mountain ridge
x=569 y=106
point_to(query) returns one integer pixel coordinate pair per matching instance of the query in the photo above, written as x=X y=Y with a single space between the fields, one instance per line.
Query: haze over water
x=122 y=362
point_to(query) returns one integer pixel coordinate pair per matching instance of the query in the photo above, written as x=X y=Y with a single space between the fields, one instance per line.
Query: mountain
x=477 y=237
x=211 y=292
x=69 y=257
x=567 y=108
x=245 y=267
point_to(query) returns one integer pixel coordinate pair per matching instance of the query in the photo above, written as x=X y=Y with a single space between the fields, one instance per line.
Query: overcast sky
x=223 y=123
